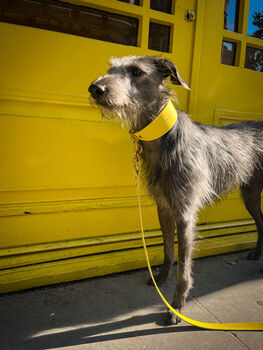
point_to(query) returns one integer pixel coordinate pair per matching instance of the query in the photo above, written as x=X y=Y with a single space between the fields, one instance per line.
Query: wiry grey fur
x=190 y=165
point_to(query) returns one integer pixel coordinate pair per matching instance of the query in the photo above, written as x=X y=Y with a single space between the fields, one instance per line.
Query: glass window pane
x=231 y=14
x=255 y=19
x=228 y=53
x=132 y=2
x=72 y=19
x=159 y=37
x=254 y=59
x=161 y=5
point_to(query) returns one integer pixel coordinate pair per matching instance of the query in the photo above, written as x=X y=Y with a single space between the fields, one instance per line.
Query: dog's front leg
x=167 y=222
x=185 y=233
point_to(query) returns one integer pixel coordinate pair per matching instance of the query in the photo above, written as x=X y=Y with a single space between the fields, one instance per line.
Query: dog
x=187 y=167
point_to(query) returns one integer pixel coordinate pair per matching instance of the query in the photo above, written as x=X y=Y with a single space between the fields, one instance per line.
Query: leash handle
x=242 y=326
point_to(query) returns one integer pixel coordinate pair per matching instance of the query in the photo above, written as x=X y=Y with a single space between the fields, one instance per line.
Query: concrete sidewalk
x=122 y=312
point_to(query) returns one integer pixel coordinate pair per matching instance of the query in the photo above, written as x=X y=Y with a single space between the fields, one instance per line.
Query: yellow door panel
x=227 y=93
x=51 y=227
x=50 y=153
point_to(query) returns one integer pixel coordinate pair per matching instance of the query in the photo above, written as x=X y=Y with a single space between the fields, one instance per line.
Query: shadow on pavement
x=82 y=312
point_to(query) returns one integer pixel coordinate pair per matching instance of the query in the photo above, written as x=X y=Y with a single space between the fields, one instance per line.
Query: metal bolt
x=190 y=16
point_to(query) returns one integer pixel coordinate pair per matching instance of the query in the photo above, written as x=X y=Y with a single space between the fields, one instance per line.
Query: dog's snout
x=97 y=90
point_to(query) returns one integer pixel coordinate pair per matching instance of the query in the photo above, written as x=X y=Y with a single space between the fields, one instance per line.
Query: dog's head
x=134 y=88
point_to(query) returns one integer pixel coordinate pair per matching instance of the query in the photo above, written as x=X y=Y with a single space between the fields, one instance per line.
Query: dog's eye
x=136 y=72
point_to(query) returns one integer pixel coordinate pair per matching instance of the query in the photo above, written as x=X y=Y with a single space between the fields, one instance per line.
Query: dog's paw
x=172 y=319
x=254 y=255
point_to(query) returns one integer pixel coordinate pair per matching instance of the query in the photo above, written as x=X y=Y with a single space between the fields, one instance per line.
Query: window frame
x=143 y=13
x=241 y=38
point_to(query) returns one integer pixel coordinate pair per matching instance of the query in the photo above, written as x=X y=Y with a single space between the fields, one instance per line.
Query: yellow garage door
x=68 y=207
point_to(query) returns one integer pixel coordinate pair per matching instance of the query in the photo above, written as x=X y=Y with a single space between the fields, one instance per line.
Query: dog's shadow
x=96 y=334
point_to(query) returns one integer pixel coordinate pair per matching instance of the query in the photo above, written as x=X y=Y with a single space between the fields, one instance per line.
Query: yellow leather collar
x=160 y=125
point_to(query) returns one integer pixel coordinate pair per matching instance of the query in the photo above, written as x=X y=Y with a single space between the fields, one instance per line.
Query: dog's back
x=234 y=153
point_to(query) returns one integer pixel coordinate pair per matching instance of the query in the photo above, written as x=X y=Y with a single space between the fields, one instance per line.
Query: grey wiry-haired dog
x=189 y=165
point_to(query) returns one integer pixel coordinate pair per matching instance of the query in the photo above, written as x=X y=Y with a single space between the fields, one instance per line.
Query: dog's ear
x=166 y=68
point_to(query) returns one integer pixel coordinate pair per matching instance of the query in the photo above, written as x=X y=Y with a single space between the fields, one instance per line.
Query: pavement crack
x=205 y=310
x=212 y=316
x=240 y=342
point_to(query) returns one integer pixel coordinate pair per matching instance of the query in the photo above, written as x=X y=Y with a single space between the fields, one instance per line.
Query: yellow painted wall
x=67 y=188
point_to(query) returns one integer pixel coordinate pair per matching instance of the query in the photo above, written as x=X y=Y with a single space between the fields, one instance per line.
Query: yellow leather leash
x=243 y=326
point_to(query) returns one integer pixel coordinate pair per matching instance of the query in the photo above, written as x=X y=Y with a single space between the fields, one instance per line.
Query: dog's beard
x=126 y=114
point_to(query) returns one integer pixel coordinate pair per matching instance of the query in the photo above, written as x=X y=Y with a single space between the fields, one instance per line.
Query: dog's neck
x=146 y=113
x=163 y=123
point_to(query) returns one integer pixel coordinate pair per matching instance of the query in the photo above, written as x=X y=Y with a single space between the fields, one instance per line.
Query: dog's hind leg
x=251 y=194
x=167 y=222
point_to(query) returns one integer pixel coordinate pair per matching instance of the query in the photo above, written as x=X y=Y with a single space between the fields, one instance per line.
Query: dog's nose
x=97 y=90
